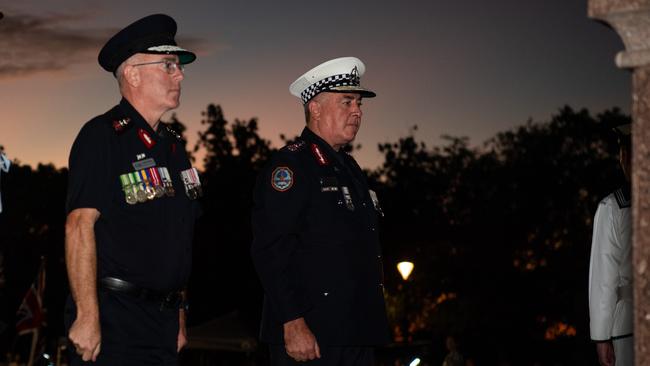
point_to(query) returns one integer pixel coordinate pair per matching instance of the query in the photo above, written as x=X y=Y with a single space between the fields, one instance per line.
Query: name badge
x=329 y=184
x=144 y=164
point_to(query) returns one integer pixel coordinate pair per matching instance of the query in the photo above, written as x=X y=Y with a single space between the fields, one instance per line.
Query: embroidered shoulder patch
x=282 y=179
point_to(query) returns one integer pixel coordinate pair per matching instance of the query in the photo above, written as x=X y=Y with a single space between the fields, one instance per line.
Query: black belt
x=169 y=300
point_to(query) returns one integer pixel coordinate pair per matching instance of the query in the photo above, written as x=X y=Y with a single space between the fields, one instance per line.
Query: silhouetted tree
x=500 y=235
x=31 y=226
x=224 y=278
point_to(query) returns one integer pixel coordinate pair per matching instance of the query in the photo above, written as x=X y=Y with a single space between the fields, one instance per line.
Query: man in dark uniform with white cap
x=316 y=245
x=131 y=209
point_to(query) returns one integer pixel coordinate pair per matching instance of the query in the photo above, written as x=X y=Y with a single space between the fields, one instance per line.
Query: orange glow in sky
x=461 y=68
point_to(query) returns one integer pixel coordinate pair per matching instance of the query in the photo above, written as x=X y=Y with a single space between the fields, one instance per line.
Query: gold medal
x=148 y=188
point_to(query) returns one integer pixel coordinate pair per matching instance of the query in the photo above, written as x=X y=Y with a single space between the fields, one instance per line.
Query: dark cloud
x=31 y=44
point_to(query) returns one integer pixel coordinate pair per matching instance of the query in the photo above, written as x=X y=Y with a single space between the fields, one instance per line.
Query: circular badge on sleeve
x=282 y=178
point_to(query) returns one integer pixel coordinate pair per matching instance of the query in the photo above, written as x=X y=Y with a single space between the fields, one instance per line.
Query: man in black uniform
x=316 y=245
x=131 y=209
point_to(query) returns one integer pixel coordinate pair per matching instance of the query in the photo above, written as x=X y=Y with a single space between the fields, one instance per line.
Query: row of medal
x=146 y=184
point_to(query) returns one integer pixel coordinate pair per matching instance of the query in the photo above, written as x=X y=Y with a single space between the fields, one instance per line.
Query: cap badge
x=355 y=79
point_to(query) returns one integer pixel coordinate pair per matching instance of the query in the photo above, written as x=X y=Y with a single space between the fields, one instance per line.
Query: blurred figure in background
x=453 y=358
x=5 y=163
x=610 y=270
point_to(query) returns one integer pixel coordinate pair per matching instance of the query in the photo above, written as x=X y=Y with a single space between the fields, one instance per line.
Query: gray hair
x=119 y=72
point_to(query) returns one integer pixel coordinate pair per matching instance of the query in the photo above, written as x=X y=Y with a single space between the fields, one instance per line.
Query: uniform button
x=325 y=293
x=372 y=229
x=363 y=204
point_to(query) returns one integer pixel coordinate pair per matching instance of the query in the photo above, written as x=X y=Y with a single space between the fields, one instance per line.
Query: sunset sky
x=456 y=67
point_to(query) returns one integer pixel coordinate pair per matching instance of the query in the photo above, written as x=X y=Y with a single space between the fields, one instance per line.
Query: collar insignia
x=146 y=139
x=121 y=124
x=320 y=157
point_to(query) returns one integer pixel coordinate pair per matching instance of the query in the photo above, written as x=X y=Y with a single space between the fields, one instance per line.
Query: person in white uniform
x=5 y=163
x=610 y=269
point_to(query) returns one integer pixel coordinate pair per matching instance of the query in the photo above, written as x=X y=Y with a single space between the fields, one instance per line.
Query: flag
x=31 y=313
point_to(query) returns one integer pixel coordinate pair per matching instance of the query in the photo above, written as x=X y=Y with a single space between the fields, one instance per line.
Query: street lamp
x=405 y=269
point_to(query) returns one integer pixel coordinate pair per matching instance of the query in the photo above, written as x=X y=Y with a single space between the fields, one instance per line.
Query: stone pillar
x=631 y=20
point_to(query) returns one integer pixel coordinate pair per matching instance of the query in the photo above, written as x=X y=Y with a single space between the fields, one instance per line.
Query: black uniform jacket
x=146 y=243
x=316 y=246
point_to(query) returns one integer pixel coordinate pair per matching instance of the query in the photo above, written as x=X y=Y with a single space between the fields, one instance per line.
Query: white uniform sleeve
x=603 y=274
x=4 y=163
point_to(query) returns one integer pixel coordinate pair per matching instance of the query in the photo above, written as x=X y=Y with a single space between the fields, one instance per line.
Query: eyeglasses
x=169 y=66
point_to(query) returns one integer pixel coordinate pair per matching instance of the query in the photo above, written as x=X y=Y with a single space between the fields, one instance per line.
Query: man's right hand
x=605 y=352
x=86 y=337
x=299 y=341
x=81 y=262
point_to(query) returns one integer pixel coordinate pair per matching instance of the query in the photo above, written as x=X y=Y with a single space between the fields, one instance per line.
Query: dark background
x=499 y=234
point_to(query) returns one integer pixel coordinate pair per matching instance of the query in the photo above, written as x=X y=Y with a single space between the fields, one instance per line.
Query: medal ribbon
x=124 y=179
x=195 y=176
x=166 y=176
x=138 y=178
x=154 y=176
x=145 y=177
x=132 y=179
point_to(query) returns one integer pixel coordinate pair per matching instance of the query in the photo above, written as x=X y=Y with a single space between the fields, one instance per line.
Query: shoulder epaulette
x=118 y=121
x=172 y=132
x=120 y=125
x=623 y=198
x=296 y=146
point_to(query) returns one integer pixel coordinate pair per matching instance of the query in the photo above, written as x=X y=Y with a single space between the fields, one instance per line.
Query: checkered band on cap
x=351 y=79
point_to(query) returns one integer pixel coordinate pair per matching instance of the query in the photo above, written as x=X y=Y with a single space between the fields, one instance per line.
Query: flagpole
x=32 y=351
x=31 y=314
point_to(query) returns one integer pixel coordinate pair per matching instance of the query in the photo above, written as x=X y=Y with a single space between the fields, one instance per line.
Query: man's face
x=340 y=117
x=161 y=82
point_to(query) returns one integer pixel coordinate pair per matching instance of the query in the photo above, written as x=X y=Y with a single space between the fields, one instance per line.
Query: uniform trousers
x=134 y=332
x=330 y=356
x=624 y=351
